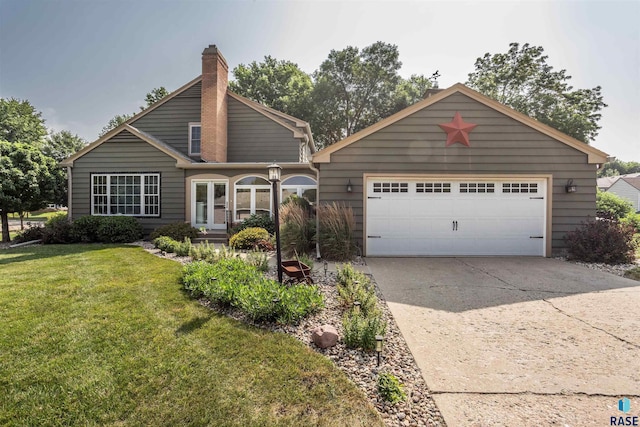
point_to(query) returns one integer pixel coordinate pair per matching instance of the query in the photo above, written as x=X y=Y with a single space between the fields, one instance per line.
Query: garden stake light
x=379 y=339
x=325 y=264
x=356 y=306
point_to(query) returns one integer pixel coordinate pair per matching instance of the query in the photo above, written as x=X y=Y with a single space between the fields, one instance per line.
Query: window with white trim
x=195 y=132
x=252 y=196
x=302 y=186
x=125 y=194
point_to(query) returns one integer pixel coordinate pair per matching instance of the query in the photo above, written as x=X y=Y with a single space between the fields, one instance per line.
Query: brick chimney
x=213 y=120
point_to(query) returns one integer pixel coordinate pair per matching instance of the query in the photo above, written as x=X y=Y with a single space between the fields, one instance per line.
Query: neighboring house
x=607 y=181
x=629 y=189
x=199 y=155
x=454 y=174
x=460 y=174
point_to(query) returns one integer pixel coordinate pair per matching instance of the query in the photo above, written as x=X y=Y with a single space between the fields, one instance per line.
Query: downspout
x=70 y=192
x=317 y=171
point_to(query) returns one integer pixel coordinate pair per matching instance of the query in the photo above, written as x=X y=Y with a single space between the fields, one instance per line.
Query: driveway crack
x=590 y=325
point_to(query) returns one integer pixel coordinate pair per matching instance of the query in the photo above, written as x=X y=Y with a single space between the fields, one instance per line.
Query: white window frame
x=298 y=189
x=107 y=195
x=252 y=197
x=191 y=126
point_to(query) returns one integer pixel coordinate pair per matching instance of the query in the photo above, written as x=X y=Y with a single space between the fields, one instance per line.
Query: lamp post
x=274 y=177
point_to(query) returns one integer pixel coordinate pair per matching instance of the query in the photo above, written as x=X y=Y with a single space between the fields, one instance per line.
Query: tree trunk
x=21 y=221
x=5 y=227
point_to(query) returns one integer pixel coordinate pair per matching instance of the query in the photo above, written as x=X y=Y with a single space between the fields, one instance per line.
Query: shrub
x=602 y=241
x=57 y=229
x=359 y=330
x=258 y=259
x=183 y=248
x=256 y=220
x=119 y=229
x=632 y=219
x=355 y=286
x=390 y=388
x=248 y=238
x=165 y=243
x=176 y=230
x=611 y=206
x=336 y=231
x=34 y=232
x=233 y=282
x=85 y=228
x=297 y=228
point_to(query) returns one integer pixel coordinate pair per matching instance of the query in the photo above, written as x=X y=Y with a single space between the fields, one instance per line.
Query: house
x=461 y=174
x=607 y=181
x=455 y=174
x=627 y=188
x=199 y=155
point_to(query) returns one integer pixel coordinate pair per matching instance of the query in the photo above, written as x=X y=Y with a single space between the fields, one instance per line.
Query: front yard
x=105 y=335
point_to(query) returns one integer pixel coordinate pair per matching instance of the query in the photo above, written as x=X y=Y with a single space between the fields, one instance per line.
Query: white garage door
x=455 y=217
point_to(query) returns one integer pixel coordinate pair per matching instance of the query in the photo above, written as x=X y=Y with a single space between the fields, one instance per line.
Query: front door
x=209 y=202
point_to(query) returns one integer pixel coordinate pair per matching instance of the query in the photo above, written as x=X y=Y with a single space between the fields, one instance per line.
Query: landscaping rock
x=325 y=336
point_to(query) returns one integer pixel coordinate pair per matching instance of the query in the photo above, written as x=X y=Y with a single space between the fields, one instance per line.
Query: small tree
x=611 y=206
x=27 y=181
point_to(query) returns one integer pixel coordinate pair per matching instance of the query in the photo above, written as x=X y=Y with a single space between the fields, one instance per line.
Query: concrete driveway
x=518 y=341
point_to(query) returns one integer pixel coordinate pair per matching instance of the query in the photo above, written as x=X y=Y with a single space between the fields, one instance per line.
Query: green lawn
x=37 y=215
x=104 y=335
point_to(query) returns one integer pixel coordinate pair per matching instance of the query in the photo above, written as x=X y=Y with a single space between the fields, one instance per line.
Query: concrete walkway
x=518 y=341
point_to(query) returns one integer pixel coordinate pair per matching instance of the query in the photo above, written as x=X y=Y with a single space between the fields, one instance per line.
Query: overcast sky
x=82 y=62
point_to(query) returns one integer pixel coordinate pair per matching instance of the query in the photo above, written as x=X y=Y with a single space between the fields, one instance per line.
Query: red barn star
x=457 y=130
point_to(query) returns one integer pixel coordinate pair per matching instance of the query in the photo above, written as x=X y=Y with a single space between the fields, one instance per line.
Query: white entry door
x=414 y=217
x=209 y=203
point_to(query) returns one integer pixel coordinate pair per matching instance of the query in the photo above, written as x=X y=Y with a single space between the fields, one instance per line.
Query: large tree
x=522 y=79
x=618 y=167
x=20 y=122
x=356 y=88
x=27 y=180
x=60 y=145
x=281 y=85
x=151 y=98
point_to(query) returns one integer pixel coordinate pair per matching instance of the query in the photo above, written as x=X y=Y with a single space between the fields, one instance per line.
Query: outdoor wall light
x=571 y=187
x=274 y=177
x=379 y=339
x=349 y=187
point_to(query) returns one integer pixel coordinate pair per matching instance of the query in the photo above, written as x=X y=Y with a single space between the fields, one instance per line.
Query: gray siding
x=252 y=137
x=170 y=121
x=126 y=153
x=626 y=191
x=499 y=145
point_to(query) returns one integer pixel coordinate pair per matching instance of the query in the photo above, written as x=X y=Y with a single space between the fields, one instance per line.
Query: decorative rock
x=325 y=336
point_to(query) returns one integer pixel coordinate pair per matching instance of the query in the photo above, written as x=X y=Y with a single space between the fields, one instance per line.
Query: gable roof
x=593 y=154
x=607 y=181
x=634 y=182
x=181 y=159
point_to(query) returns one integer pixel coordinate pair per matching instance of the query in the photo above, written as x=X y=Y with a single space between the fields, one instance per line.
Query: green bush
x=119 y=229
x=176 y=230
x=337 y=224
x=85 y=228
x=632 y=219
x=256 y=221
x=233 y=282
x=209 y=253
x=165 y=243
x=35 y=232
x=355 y=286
x=248 y=238
x=297 y=229
x=611 y=206
x=183 y=248
x=603 y=241
x=258 y=259
x=57 y=229
x=359 y=330
x=390 y=388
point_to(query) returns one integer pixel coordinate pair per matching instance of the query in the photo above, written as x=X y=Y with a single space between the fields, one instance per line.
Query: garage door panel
x=470 y=218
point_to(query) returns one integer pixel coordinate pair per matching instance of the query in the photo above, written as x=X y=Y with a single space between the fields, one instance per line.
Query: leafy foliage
x=233 y=282
x=34 y=232
x=618 y=167
x=390 y=388
x=337 y=224
x=154 y=96
x=27 y=180
x=119 y=229
x=248 y=238
x=257 y=220
x=58 y=229
x=611 y=206
x=60 y=145
x=85 y=229
x=359 y=331
x=522 y=79
x=258 y=259
x=115 y=121
x=176 y=230
x=632 y=219
x=20 y=122
x=603 y=241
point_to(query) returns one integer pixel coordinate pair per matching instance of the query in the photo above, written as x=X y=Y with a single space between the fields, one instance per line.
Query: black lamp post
x=274 y=177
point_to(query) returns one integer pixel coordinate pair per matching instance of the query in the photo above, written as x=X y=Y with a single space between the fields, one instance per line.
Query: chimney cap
x=212 y=49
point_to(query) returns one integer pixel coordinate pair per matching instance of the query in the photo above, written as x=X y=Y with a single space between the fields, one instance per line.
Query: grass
x=104 y=335
x=42 y=215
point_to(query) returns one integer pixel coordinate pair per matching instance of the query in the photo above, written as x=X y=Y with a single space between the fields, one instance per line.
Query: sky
x=82 y=62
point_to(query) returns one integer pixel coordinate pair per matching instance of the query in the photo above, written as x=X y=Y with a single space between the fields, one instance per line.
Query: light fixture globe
x=274 y=172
